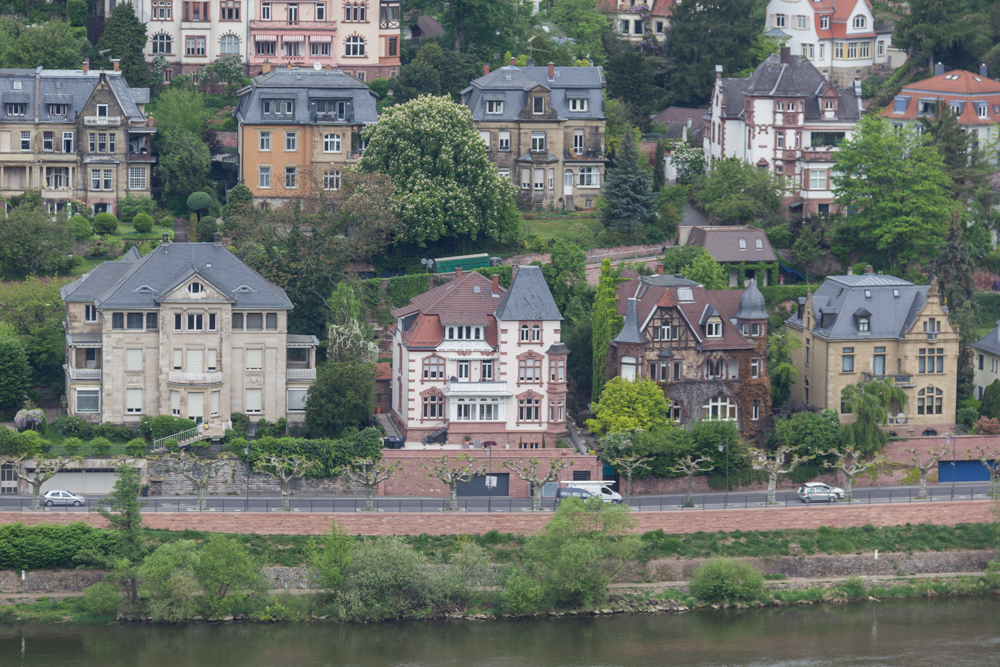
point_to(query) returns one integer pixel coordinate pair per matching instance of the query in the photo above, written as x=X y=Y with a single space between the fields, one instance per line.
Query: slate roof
x=305 y=87
x=630 y=330
x=841 y=299
x=511 y=84
x=723 y=243
x=140 y=284
x=990 y=343
x=798 y=78
x=64 y=86
x=751 y=306
x=528 y=298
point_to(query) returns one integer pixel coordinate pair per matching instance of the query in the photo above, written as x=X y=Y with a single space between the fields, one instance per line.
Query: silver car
x=55 y=497
x=835 y=490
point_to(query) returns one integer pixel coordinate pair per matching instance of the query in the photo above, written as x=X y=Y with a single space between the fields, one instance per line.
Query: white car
x=821 y=487
x=55 y=497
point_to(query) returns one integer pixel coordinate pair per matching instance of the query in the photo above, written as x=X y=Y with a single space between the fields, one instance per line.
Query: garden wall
x=232 y=481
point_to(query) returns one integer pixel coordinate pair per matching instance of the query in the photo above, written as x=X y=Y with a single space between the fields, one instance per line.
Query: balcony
x=479 y=389
x=83 y=373
x=144 y=158
x=103 y=121
x=300 y=374
x=388 y=24
x=177 y=377
x=332 y=117
x=903 y=380
x=326 y=26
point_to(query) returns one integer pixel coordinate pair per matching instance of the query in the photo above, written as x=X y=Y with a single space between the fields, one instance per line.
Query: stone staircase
x=193 y=435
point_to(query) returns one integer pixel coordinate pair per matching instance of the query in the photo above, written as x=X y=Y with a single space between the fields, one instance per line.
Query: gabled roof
x=465 y=300
x=511 y=85
x=723 y=243
x=528 y=298
x=990 y=343
x=131 y=283
x=305 y=87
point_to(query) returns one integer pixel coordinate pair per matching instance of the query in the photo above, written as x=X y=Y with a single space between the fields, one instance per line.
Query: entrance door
x=8 y=480
x=481 y=485
x=196 y=407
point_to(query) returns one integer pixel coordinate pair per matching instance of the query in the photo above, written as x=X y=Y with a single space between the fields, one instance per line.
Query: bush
x=48 y=546
x=169 y=588
x=967 y=417
x=228 y=576
x=107 y=246
x=72 y=446
x=780 y=237
x=136 y=447
x=724 y=579
x=172 y=445
x=164 y=425
x=105 y=223
x=386 y=579
x=115 y=432
x=240 y=423
x=70 y=426
x=100 y=446
x=142 y=223
x=854 y=588
x=102 y=598
x=207 y=227
x=76 y=12
x=82 y=229
x=521 y=595
x=130 y=207
x=199 y=201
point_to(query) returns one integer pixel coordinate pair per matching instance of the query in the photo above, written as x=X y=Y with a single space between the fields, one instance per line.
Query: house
x=635 y=20
x=421 y=25
x=744 y=251
x=706 y=348
x=359 y=37
x=787 y=119
x=682 y=124
x=471 y=358
x=986 y=361
x=973 y=98
x=544 y=127
x=840 y=38
x=76 y=135
x=858 y=328
x=188 y=330
x=298 y=130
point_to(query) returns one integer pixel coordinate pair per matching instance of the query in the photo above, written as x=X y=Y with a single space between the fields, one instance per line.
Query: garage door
x=87 y=482
x=963 y=471
x=500 y=481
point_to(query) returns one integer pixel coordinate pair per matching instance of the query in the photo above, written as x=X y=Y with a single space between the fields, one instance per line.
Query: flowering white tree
x=445 y=184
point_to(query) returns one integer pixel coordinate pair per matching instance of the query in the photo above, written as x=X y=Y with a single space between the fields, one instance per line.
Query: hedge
x=505 y=272
x=48 y=546
x=331 y=454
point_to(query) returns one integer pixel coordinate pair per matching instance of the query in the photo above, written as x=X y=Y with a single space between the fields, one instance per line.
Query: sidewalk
x=804 y=582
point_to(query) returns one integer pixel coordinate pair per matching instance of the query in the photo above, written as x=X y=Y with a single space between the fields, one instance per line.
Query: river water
x=954 y=633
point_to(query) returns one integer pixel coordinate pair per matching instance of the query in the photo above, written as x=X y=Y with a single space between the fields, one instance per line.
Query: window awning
x=293 y=38
x=265 y=38
x=315 y=39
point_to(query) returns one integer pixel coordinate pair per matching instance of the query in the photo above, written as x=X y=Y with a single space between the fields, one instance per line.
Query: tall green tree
x=435 y=71
x=990 y=405
x=704 y=270
x=34 y=242
x=184 y=162
x=806 y=248
x=779 y=364
x=52 y=45
x=637 y=79
x=566 y=274
x=445 y=184
x=738 y=193
x=606 y=324
x=581 y=23
x=15 y=373
x=343 y=397
x=485 y=27
x=629 y=202
x=703 y=35
x=942 y=30
x=627 y=405
x=34 y=309
x=896 y=186
x=870 y=403
x=124 y=37
x=181 y=108
x=958 y=290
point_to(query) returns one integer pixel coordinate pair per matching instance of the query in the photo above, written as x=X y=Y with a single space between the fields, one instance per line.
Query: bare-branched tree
x=852 y=463
x=784 y=460
x=691 y=466
x=198 y=470
x=924 y=466
x=44 y=470
x=527 y=470
x=463 y=470
x=630 y=466
x=990 y=458
x=284 y=469
x=369 y=473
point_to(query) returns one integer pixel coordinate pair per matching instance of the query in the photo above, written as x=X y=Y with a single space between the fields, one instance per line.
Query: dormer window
x=494 y=106
x=685 y=294
x=713 y=328
x=830 y=104
x=196 y=288
x=538 y=104
x=868 y=294
x=824 y=22
x=860 y=21
x=578 y=104
x=863 y=324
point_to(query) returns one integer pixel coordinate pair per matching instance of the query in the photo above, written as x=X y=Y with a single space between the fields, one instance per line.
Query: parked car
x=569 y=492
x=55 y=497
x=812 y=494
x=826 y=487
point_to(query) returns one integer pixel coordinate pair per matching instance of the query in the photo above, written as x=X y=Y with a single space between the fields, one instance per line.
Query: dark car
x=570 y=492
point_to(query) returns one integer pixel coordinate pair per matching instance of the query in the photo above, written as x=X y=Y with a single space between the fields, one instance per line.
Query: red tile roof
x=456 y=302
x=383 y=371
x=840 y=13
x=953 y=86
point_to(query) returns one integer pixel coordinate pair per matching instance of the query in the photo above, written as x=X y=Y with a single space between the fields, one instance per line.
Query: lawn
x=581 y=228
x=87 y=264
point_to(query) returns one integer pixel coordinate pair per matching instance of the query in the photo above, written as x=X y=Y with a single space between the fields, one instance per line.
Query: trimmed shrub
x=131 y=206
x=135 y=447
x=72 y=446
x=142 y=223
x=70 y=426
x=47 y=546
x=115 y=433
x=82 y=229
x=100 y=446
x=164 y=425
x=199 y=201
x=105 y=223
x=724 y=579
x=172 y=445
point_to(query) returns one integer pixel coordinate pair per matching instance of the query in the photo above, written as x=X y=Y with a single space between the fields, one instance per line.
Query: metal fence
x=502 y=504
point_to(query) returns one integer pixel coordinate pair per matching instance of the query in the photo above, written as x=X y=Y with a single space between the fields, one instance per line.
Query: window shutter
x=254 y=400
x=175 y=402
x=133 y=360
x=255 y=359
x=196 y=361
x=178 y=359
x=133 y=399
x=212 y=360
x=215 y=403
x=297 y=399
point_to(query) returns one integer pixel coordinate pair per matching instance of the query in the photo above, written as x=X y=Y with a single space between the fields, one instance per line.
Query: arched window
x=524 y=333
x=536 y=333
x=863 y=324
x=719 y=408
x=451 y=333
x=929 y=401
x=354 y=46
x=477 y=333
x=778 y=106
x=331 y=143
x=229 y=45
x=433 y=368
x=196 y=288
x=860 y=21
x=162 y=43
x=675 y=411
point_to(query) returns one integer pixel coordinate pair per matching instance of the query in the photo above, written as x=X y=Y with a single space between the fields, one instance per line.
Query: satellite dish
x=317 y=66
x=531 y=62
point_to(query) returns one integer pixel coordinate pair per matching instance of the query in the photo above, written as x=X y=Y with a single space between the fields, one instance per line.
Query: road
x=660 y=503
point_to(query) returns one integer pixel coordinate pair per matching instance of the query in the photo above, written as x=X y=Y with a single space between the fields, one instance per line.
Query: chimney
x=265 y=68
x=458 y=272
x=86 y=65
x=218 y=238
x=166 y=238
x=116 y=63
x=938 y=69
x=552 y=71
x=718 y=71
x=486 y=70
x=513 y=61
x=869 y=270
x=659 y=269
x=850 y=270
x=983 y=71
x=496 y=285
x=786 y=55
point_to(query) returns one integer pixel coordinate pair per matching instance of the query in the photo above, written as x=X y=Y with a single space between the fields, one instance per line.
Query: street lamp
x=726 y=501
x=489 y=479
x=948 y=440
x=246 y=453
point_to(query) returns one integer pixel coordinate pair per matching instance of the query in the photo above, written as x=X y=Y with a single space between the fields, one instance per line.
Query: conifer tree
x=629 y=201
x=124 y=37
x=606 y=324
x=990 y=406
x=958 y=289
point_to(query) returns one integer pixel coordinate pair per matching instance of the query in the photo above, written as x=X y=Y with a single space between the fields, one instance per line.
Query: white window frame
x=94 y=394
x=494 y=107
x=136 y=178
x=265 y=140
x=304 y=393
x=579 y=104
x=817 y=182
x=133 y=401
x=331 y=143
x=264 y=177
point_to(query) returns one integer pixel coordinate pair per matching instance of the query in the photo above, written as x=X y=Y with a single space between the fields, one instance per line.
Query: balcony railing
x=385 y=25
x=898 y=379
x=300 y=374
x=330 y=117
x=102 y=120
x=329 y=26
x=84 y=373
x=177 y=377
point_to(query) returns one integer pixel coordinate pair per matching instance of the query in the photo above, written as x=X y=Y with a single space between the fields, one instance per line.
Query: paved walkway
x=390 y=428
x=802 y=581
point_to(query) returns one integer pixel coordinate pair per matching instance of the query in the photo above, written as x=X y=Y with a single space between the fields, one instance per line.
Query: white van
x=597 y=488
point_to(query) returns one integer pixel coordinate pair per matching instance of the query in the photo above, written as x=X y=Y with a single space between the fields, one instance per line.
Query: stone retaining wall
x=43 y=581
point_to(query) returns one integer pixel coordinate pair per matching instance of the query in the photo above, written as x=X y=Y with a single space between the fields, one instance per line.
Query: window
x=272 y=321
x=133 y=321
x=433 y=407
x=133 y=401
x=838 y=50
x=847 y=360
x=88 y=400
x=755 y=368
x=494 y=106
x=297 y=399
x=577 y=144
x=528 y=410
x=211 y=321
x=525 y=178
x=557 y=370
x=17 y=109
x=538 y=105
x=320 y=11
x=463 y=370
x=930 y=360
x=56 y=178
x=982 y=111
x=817 y=179
x=981 y=357
x=529 y=370
x=175 y=403
x=433 y=368
x=824 y=22
x=852 y=50
x=255 y=321
x=90 y=315
x=485 y=136
x=486 y=371
x=929 y=401
x=291 y=141
x=319 y=48
x=878 y=362
x=237 y=322
x=463 y=410
x=229 y=45
x=719 y=408
x=162 y=11
x=264 y=177
x=195 y=322
x=255 y=359
x=536 y=334
x=859 y=21
x=354 y=47
x=637 y=27
x=106 y=181
x=713 y=329
x=293 y=14
x=756 y=411
x=800 y=23
x=291 y=177
x=331 y=143
x=623 y=26
x=229 y=10
x=133 y=360
x=102 y=110
x=178 y=321
x=194 y=46
x=265 y=11
x=265 y=140
x=504 y=143
x=265 y=49
x=167 y=76
x=196 y=288
x=67 y=142
x=578 y=104
x=213 y=360
x=26 y=141
x=489 y=411
x=659 y=27
x=588 y=177
x=331 y=180
x=779 y=20
x=537 y=141
x=254 y=401
x=866 y=48
x=780 y=139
